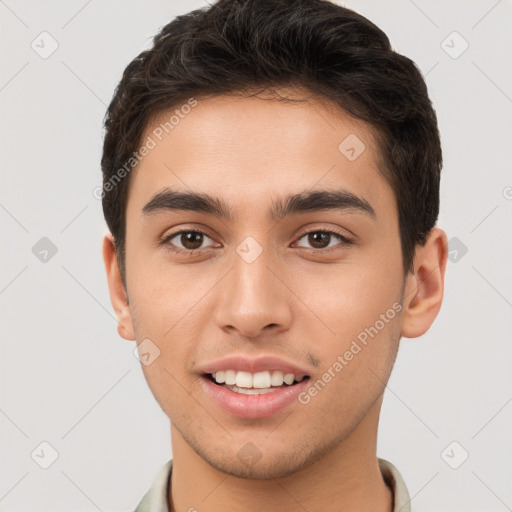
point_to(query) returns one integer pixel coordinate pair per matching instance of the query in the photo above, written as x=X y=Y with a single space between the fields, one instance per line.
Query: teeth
x=251 y=391
x=259 y=380
x=230 y=377
x=288 y=378
x=243 y=380
x=277 y=379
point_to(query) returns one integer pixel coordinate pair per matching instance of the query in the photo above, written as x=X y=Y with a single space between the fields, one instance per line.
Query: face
x=252 y=286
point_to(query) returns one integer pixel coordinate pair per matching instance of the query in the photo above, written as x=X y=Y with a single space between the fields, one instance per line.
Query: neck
x=347 y=478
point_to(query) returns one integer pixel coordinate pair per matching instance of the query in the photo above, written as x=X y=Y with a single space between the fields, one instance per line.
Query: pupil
x=191 y=240
x=318 y=244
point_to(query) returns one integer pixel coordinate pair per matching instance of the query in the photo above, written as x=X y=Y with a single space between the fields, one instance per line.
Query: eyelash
x=344 y=239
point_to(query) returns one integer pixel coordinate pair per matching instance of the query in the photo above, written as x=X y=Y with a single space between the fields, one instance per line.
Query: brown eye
x=319 y=240
x=187 y=240
x=191 y=240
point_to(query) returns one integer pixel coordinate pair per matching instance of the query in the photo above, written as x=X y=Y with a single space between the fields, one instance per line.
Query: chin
x=279 y=467
x=269 y=463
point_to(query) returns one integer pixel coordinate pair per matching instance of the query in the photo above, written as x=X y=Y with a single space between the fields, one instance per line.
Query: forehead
x=245 y=147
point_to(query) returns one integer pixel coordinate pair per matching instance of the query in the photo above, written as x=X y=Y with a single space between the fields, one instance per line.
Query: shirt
x=155 y=500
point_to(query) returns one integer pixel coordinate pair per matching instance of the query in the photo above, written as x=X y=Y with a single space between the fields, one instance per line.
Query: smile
x=259 y=395
x=254 y=383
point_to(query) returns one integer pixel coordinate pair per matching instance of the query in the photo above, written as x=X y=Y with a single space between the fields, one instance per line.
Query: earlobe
x=424 y=288
x=116 y=289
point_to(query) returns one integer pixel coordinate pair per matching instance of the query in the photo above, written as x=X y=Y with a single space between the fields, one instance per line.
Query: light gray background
x=67 y=377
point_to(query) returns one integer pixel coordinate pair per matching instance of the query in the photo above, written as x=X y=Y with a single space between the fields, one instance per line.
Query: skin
x=293 y=302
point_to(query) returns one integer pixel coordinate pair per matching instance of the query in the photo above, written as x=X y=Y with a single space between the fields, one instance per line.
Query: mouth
x=254 y=395
x=259 y=383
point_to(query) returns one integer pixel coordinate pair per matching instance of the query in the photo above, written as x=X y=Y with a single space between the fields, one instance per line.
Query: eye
x=190 y=241
x=321 y=239
x=187 y=241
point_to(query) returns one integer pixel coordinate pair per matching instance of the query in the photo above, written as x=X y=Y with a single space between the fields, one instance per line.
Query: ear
x=116 y=288
x=424 y=287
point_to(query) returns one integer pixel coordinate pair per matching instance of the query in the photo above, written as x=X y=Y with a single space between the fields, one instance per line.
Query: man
x=271 y=185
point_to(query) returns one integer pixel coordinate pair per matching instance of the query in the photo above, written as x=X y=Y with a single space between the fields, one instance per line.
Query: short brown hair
x=317 y=45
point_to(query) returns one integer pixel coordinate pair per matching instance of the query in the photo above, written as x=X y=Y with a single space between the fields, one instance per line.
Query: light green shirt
x=155 y=500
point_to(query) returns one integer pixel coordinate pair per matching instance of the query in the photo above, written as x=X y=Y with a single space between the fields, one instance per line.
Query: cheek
x=352 y=374
x=163 y=295
x=175 y=340
x=356 y=327
x=343 y=300
x=166 y=309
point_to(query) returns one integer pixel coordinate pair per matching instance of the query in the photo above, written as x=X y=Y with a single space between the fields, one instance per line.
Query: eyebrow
x=307 y=201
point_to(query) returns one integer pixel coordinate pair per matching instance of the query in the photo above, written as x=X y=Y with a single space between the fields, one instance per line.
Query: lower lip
x=253 y=406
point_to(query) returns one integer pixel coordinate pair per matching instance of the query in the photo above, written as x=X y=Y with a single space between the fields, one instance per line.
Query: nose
x=253 y=300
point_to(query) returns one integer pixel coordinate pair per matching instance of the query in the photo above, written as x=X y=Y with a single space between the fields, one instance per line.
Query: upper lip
x=253 y=365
